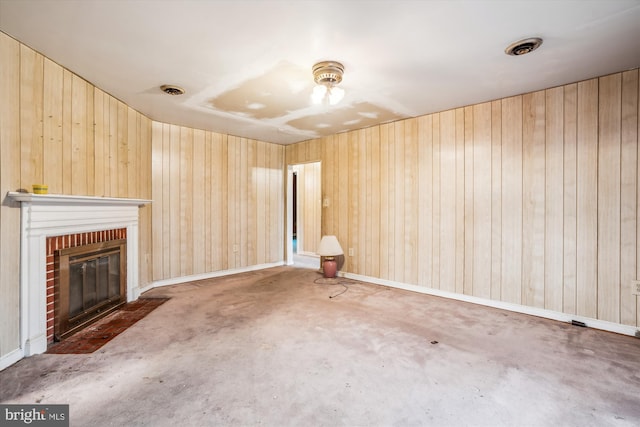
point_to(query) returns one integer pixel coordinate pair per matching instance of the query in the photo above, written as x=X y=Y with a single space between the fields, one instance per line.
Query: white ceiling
x=246 y=65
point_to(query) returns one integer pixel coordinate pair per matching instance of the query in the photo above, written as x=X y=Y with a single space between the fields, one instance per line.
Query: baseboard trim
x=533 y=311
x=11 y=358
x=210 y=275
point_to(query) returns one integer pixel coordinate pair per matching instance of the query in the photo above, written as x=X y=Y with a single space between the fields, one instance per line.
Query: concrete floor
x=273 y=348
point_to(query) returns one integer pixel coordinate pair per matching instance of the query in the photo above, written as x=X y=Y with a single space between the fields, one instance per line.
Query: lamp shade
x=329 y=246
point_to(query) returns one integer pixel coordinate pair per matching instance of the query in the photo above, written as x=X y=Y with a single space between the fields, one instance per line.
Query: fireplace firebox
x=90 y=283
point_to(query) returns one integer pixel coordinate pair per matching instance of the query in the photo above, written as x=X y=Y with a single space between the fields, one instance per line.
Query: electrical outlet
x=325 y=202
x=350 y=251
x=235 y=248
x=635 y=287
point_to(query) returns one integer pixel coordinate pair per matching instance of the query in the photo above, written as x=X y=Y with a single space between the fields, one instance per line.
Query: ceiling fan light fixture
x=327 y=74
x=522 y=47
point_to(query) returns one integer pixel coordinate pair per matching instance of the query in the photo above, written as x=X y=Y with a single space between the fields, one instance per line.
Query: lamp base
x=330 y=268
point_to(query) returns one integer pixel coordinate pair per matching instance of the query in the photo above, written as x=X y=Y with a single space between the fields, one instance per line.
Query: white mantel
x=47 y=215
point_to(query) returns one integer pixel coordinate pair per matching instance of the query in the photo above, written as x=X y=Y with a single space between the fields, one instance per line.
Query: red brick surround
x=70 y=241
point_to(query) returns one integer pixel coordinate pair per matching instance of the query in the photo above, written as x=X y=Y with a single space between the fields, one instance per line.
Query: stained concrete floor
x=273 y=348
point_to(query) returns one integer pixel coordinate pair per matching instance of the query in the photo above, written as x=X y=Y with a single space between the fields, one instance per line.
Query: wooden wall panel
x=554 y=209
x=309 y=206
x=570 y=200
x=10 y=153
x=512 y=200
x=436 y=199
x=501 y=200
x=496 y=200
x=628 y=194
x=468 y=251
x=481 y=180
x=533 y=185
x=587 y=200
x=609 y=198
x=52 y=127
x=425 y=200
x=31 y=117
x=58 y=129
x=220 y=201
x=532 y=199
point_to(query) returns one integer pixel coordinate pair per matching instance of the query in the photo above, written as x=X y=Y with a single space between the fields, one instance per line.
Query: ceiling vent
x=522 y=47
x=172 y=90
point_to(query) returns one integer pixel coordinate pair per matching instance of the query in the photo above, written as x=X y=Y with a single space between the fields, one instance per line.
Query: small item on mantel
x=40 y=189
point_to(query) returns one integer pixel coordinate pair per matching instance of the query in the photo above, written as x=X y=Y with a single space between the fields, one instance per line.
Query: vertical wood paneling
x=628 y=194
x=89 y=137
x=436 y=193
x=447 y=189
x=99 y=138
x=587 y=199
x=209 y=227
x=396 y=213
x=533 y=191
x=376 y=206
x=362 y=195
x=608 y=300
x=66 y=132
x=79 y=119
x=9 y=181
x=354 y=190
x=481 y=180
x=112 y=168
x=496 y=200
x=145 y=188
x=554 y=212
x=123 y=152
x=468 y=201
x=31 y=117
x=460 y=199
x=174 y=244
x=212 y=195
x=509 y=198
x=410 y=201
x=385 y=205
x=512 y=200
x=52 y=127
x=198 y=235
x=570 y=197
x=133 y=152
x=261 y=213
x=425 y=200
x=157 y=195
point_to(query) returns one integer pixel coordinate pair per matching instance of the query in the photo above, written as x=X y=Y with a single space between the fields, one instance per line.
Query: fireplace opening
x=91 y=282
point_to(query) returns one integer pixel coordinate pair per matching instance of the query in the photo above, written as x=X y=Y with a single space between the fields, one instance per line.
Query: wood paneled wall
x=309 y=209
x=532 y=199
x=58 y=129
x=218 y=202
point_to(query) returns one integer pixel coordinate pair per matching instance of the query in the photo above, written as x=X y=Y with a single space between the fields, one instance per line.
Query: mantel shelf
x=63 y=199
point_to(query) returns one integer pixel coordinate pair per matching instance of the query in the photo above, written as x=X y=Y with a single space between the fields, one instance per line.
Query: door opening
x=304 y=210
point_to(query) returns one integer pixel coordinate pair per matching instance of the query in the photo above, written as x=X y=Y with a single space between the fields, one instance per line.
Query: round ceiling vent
x=328 y=73
x=522 y=47
x=172 y=90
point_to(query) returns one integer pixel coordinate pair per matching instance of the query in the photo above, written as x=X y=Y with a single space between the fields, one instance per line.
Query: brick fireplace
x=60 y=220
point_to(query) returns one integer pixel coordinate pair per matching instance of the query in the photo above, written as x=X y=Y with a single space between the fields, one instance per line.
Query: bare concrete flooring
x=272 y=348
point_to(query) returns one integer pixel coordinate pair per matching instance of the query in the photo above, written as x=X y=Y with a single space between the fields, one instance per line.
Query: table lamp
x=329 y=248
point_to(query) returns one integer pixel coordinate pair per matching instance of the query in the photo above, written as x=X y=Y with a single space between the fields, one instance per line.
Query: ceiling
x=246 y=65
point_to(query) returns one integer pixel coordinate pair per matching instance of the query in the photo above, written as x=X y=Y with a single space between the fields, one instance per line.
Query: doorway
x=304 y=209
